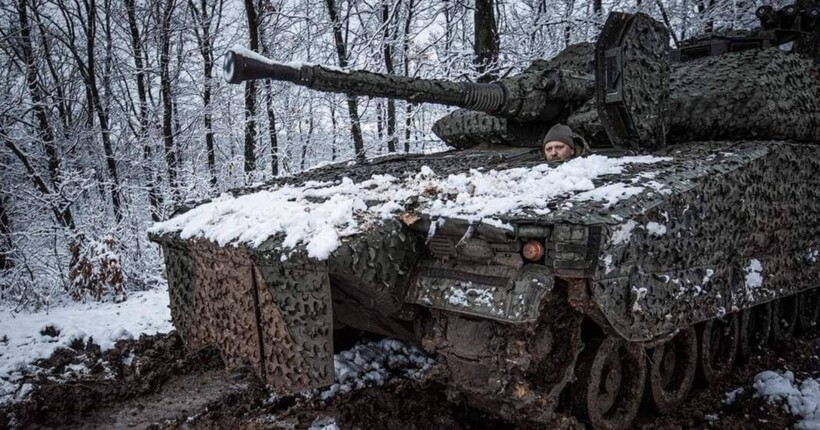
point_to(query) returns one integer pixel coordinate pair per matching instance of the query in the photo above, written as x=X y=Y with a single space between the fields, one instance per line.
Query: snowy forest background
x=114 y=113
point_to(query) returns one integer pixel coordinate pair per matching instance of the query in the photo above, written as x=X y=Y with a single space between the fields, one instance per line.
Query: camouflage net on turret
x=750 y=94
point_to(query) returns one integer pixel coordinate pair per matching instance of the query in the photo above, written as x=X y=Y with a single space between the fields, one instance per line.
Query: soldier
x=561 y=144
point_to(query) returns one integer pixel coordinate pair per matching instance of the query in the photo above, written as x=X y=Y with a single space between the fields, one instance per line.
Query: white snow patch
x=319 y=214
x=324 y=425
x=639 y=293
x=708 y=276
x=469 y=296
x=608 y=264
x=375 y=363
x=623 y=233
x=731 y=396
x=610 y=193
x=754 y=276
x=800 y=398
x=656 y=229
x=144 y=312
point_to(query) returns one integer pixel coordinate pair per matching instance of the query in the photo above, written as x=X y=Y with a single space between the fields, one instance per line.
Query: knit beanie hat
x=563 y=133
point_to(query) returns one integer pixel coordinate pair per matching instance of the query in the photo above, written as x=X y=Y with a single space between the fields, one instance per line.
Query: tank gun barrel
x=528 y=99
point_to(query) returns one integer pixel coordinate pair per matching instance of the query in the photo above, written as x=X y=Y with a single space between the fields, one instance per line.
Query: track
x=165 y=390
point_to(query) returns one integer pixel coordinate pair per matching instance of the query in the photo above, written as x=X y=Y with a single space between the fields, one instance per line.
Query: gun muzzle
x=242 y=65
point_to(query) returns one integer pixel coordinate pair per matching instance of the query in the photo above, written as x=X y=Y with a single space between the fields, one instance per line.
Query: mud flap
x=296 y=322
x=274 y=316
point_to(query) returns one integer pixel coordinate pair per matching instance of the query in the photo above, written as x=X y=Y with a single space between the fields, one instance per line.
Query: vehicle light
x=533 y=250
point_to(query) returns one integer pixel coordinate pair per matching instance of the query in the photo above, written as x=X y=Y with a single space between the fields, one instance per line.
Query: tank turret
x=519 y=109
x=626 y=91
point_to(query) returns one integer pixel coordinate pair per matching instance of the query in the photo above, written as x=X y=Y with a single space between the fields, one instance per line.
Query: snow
x=319 y=215
x=623 y=233
x=466 y=297
x=23 y=343
x=731 y=396
x=754 y=278
x=639 y=294
x=656 y=229
x=800 y=398
x=708 y=276
x=374 y=364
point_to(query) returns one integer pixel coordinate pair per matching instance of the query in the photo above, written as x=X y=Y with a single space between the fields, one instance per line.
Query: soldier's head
x=561 y=144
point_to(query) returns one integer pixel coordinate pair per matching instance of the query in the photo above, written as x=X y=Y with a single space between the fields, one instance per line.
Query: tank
x=683 y=243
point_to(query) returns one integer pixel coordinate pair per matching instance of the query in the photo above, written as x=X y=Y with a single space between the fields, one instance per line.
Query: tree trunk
x=388 y=65
x=568 y=18
x=274 y=141
x=44 y=130
x=408 y=109
x=352 y=104
x=99 y=107
x=154 y=199
x=705 y=8
x=202 y=30
x=165 y=91
x=61 y=101
x=332 y=131
x=486 y=38
x=6 y=244
x=250 y=94
x=62 y=215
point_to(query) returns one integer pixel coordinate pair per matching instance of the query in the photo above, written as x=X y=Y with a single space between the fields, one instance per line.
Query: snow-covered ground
x=26 y=337
x=801 y=398
x=318 y=214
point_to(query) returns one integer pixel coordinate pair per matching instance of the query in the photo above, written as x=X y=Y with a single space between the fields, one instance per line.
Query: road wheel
x=672 y=367
x=719 y=340
x=755 y=329
x=611 y=376
x=785 y=312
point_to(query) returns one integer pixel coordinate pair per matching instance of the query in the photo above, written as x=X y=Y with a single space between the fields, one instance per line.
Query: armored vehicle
x=688 y=239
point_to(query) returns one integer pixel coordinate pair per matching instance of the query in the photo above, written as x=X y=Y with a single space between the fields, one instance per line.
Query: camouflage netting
x=260 y=311
x=738 y=228
x=750 y=94
x=717 y=227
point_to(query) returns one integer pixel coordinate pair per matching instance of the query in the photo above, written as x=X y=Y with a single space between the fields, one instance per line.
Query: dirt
x=151 y=383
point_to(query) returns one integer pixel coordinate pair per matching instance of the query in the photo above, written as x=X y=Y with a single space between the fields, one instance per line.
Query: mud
x=80 y=387
x=151 y=383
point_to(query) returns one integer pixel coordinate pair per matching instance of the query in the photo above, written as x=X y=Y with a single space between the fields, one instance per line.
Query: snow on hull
x=319 y=214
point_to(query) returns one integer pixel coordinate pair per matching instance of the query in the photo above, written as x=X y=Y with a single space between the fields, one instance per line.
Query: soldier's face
x=557 y=151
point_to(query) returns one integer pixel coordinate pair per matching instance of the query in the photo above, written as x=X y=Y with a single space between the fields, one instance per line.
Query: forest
x=114 y=114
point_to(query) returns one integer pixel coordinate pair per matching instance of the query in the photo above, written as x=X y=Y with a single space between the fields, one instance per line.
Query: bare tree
x=61 y=214
x=204 y=16
x=166 y=16
x=45 y=133
x=486 y=38
x=250 y=93
x=6 y=245
x=274 y=141
x=352 y=104
x=389 y=31
x=154 y=198
x=408 y=109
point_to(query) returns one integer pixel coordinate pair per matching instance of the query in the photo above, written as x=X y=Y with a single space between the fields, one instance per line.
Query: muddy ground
x=151 y=383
